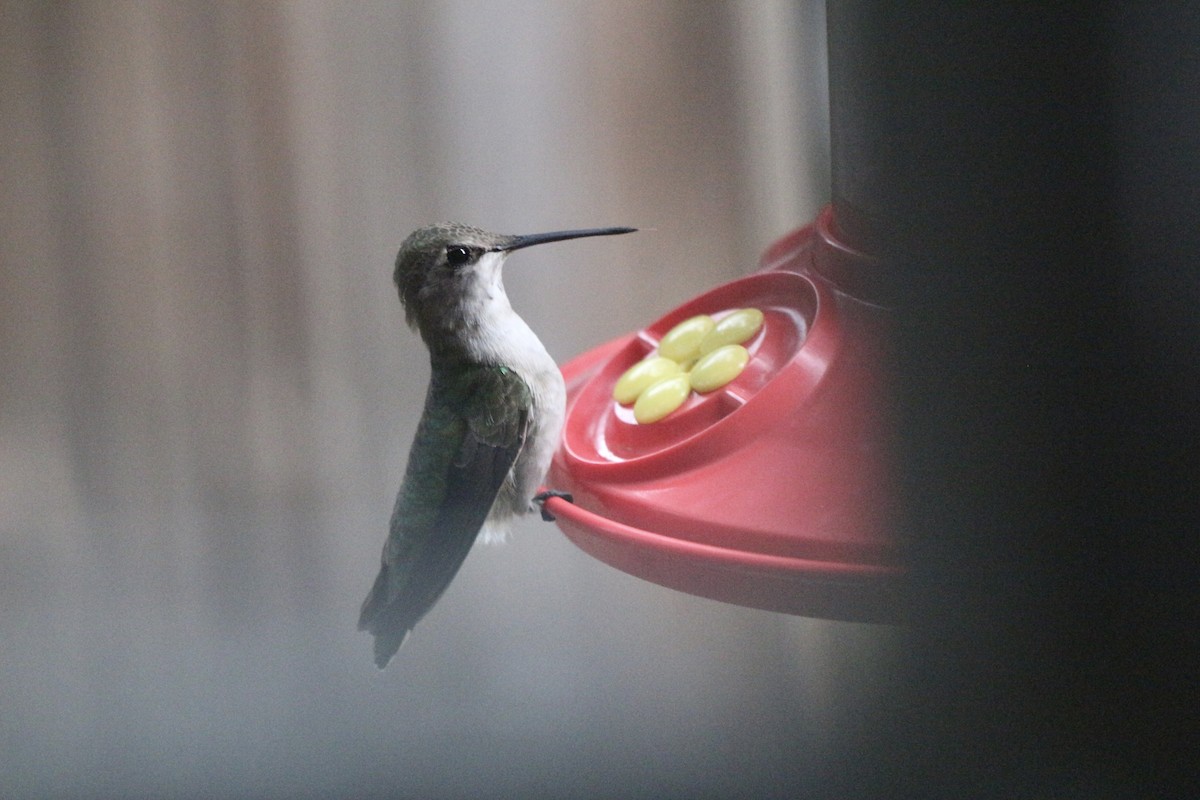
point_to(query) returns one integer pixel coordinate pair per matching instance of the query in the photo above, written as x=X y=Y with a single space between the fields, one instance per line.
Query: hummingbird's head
x=440 y=265
x=444 y=271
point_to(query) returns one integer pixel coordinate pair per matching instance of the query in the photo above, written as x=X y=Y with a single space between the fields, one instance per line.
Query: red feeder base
x=769 y=492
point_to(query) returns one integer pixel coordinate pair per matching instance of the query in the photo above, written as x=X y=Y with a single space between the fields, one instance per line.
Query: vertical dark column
x=1029 y=178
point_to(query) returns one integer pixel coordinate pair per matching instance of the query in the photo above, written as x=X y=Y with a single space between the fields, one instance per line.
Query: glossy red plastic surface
x=769 y=492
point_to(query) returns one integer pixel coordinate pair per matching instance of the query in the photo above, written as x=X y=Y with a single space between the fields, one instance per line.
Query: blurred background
x=208 y=394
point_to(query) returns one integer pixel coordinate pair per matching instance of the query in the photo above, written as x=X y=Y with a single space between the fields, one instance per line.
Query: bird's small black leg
x=541 y=497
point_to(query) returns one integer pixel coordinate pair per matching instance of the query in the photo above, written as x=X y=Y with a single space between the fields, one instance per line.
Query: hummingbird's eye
x=457 y=255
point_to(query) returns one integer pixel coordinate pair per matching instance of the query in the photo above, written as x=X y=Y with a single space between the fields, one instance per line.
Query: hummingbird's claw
x=541 y=497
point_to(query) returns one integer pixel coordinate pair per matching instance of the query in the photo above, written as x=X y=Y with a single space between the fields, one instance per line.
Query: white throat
x=501 y=337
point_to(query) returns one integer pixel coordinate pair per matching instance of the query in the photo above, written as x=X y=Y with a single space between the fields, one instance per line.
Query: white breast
x=504 y=338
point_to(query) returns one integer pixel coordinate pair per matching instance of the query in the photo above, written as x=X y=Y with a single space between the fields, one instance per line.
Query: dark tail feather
x=374 y=619
x=368 y=615
x=404 y=591
x=386 y=645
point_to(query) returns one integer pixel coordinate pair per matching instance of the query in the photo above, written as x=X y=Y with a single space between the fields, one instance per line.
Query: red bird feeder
x=770 y=492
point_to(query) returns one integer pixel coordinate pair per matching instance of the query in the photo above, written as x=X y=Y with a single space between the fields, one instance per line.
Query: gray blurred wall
x=208 y=393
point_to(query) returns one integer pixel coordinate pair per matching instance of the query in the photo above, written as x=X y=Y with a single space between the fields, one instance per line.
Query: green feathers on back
x=475 y=423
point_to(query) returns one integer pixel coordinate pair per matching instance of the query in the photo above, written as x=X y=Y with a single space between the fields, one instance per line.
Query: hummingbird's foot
x=541 y=497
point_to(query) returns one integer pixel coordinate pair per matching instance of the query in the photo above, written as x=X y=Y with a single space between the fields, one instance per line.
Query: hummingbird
x=493 y=415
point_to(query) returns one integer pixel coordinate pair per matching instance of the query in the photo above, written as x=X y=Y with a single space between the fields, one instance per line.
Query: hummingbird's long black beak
x=517 y=242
